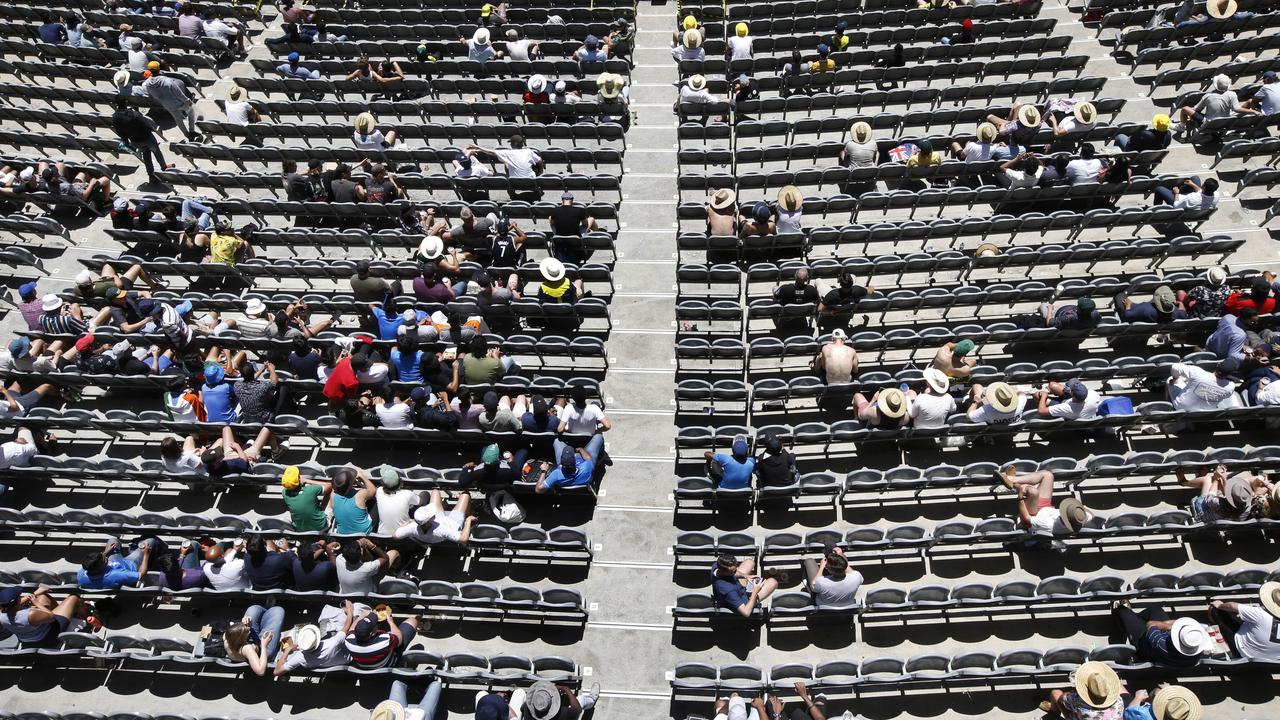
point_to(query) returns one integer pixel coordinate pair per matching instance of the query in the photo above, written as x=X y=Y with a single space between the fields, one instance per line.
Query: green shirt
x=481 y=371
x=307 y=514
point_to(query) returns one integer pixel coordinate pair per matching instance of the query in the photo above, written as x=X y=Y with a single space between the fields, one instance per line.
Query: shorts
x=1042 y=503
x=456 y=517
x=50 y=639
x=28 y=400
x=1198 y=117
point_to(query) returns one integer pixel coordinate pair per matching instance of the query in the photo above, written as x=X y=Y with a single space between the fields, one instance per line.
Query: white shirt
x=991 y=416
x=332 y=652
x=372 y=141
x=375 y=375
x=188 y=463
x=860 y=154
x=1259 y=633
x=229 y=575
x=15 y=454
x=1196 y=201
x=179 y=407
x=837 y=592
x=1021 y=179
x=688 y=94
x=1202 y=390
x=581 y=422
x=1070 y=124
x=789 y=222
x=519 y=162
x=930 y=410
x=1083 y=171
x=217 y=28
x=975 y=150
x=1270 y=394
x=1078 y=410
x=394 y=509
x=394 y=414
x=444 y=528
x=138 y=60
x=740 y=47
x=358 y=580
x=518 y=49
x=238 y=112
x=1049 y=520
x=680 y=52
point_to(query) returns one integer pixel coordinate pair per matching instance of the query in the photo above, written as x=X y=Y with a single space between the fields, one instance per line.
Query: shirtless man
x=836 y=362
x=721 y=214
x=953 y=359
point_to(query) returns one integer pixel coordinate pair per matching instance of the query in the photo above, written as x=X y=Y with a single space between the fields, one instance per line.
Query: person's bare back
x=840 y=362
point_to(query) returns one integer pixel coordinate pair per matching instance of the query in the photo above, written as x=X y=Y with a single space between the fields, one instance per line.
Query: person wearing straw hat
x=1095 y=695
x=789 y=209
x=547 y=701
x=1083 y=117
x=238 y=108
x=722 y=213
x=997 y=404
x=1250 y=629
x=397 y=706
x=312 y=648
x=536 y=92
x=614 y=97
x=1035 y=503
x=1017 y=130
x=859 y=150
x=367 y=136
x=739 y=45
x=1157 y=638
x=689 y=47
x=694 y=91
x=932 y=408
x=1168 y=702
x=886 y=408
x=978 y=150
x=836 y=362
x=956 y=358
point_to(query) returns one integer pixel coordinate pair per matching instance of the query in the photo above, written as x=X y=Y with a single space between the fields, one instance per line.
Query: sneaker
x=594 y=692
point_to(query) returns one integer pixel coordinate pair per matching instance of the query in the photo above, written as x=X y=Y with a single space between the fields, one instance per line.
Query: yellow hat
x=690 y=22
x=485 y=10
x=1160 y=123
x=291 y=480
x=740 y=29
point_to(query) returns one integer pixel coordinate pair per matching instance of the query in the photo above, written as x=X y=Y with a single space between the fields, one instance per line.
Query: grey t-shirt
x=1218 y=105
x=828 y=592
x=359 y=581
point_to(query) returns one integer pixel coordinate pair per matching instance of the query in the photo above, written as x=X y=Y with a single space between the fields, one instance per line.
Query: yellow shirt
x=919 y=159
x=222 y=248
x=827 y=65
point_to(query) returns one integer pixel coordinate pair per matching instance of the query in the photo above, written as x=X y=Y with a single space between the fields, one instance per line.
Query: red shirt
x=1240 y=300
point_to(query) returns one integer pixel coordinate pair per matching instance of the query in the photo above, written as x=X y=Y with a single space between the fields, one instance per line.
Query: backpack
x=504 y=507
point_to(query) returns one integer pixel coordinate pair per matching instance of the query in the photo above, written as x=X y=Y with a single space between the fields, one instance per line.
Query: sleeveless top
x=22 y=628
x=350 y=517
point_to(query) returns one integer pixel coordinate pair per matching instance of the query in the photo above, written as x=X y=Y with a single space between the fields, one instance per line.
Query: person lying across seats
x=36 y=618
x=312 y=648
x=432 y=524
x=1159 y=639
x=1035 y=503
x=1223 y=496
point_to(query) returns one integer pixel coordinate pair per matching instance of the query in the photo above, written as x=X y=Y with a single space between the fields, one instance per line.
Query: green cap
x=491 y=455
x=1086 y=304
x=964 y=347
x=390 y=478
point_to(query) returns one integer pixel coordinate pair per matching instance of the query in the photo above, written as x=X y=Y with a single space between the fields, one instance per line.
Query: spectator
x=258 y=398
x=1190 y=194
x=739 y=46
x=313 y=649
x=520 y=162
x=1155 y=137
x=238 y=108
x=694 y=92
x=52 y=31
x=1228 y=497
x=571 y=220
x=540 y=417
x=1021 y=171
x=775 y=466
x=860 y=149
x=431 y=523
x=924 y=155
x=306 y=499
x=830 y=580
x=138 y=132
x=580 y=417
x=1231 y=337
x=1267 y=100
x=226 y=246
x=361 y=566
x=395 y=504
x=964 y=37
x=955 y=359
x=268 y=564
x=18 y=452
x=171 y=94
x=1081 y=315
x=353 y=494
x=295 y=69
x=1018 y=129
x=1085 y=169
x=887 y=408
x=1072 y=400
x=397 y=707
x=109 y=570
x=728 y=577
x=1259 y=297
x=935 y=406
x=689 y=47
x=1170 y=702
x=35 y=618
x=184 y=457
x=1221 y=102
x=836 y=362
x=483 y=365
x=1163 y=307
x=1207 y=298
x=521 y=49
x=839 y=304
x=547 y=701
x=1249 y=629
x=979 y=150
x=799 y=291
x=223 y=568
x=478 y=47
x=1158 y=639
x=1095 y=695
x=1193 y=388
x=736 y=707
x=576 y=467
x=1035 y=503
x=722 y=214
x=255 y=638
x=29 y=305
x=367 y=136
x=315 y=567
x=732 y=472
x=788 y=210
x=997 y=404
x=1083 y=118
x=592 y=50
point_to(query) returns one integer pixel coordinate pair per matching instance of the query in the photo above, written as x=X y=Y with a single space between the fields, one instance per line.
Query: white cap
x=737 y=708
x=424 y=514
x=83 y=277
x=838 y=333
x=410 y=315
x=27 y=173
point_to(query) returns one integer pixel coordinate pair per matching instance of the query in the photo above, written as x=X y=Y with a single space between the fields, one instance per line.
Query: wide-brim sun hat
x=236 y=93
x=542 y=701
x=610 y=85
x=431 y=247
x=892 y=403
x=1002 y=396
x=255 y=306
x=365 y=122
x=1073 y=514
x=1085 y=113
x=307 y=637
x=1269 y=596
x=1097 y=684
x=697 y=82
x=1221 y=9
x=692 y=39
x=722 y=199
x=790 y=199
x=1189 y=636
x=1215 y=275
x=481 y=36
x=987 y=132
x=1176 y=702
x=860 y=132
x=936 y=380
x=388 y=710
x=552 y=269
x=537 y=84
x=121 y=78
x=50 y=302
x=1028 y=116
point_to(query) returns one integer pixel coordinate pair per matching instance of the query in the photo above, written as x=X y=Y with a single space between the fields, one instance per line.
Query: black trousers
x=1135 y=624
x=1229 y=625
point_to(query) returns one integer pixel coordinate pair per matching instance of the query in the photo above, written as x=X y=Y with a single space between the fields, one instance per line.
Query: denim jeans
x=594 y=447
x=1164 y=195
x=191 y=561
x=1121 y=142
x=430 y=698
x=201 y=212
x=135 y=557
x=261 y=620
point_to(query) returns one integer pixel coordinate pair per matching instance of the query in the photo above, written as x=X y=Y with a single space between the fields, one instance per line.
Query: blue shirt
x=1141 y=712
x=53 y=33
x=408 y=365
x=556 y=477
x=728 y=592
x=120 y=571
x=1146 y=312
x=388 y=326
x=298 y=71
x=217 y=401
x=737 y=473
x=1228 y=339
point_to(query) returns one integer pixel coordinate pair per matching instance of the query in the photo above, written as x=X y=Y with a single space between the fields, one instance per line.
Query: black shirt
x=1148 y=139
x=774 y=469
x=845 y=299
x=568 y=219
x=379 y=192
x=791 y=295
x=344 y=191
x=323 y=575
x=296 y=188
x=131 y=126
x=304 y=367
x=275 y=572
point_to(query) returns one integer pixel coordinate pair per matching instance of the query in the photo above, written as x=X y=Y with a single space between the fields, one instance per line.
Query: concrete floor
x=628 y=644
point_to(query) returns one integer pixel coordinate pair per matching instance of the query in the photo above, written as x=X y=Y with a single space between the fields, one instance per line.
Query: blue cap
x=463 y=160
x=740 y=447
x=824 y=49
x=213 y=374
x=9 y=594
x=592 y=42
x=19 y=346
x=294 y=57
x=761 y=213
x=1229 y=365
x=1077 y=390
x=183 y=308
x=149 y=307
x=27 y=291
x=569 y=460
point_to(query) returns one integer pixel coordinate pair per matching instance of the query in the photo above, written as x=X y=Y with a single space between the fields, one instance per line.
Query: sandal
x=1046 y=706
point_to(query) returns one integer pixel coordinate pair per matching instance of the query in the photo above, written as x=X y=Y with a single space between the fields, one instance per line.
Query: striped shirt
x=58 y=324
x=377 y=652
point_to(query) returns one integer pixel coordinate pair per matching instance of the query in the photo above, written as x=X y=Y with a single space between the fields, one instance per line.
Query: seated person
x=432 y=524
x=997 y=404
x=35 y=618
x=313 y=649
x=734 y=470
x=1163 y=307
x=830 y=580
x=729 y=578
x=1249 y=629
x=576 y=467
x=109 y=570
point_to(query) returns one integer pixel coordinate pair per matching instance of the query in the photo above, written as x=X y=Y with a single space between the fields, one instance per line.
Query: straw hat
x=542 y=701
x=126 y=27
x=987 y=250
x=1216 y=275
x=1176 y=702
x=697 y=82
x=1086 y=113
x=388 y=710
x=121 y=78
x=552 y=269
x=610 y=85
x=722 y=199
x=1269 y=596
x=692 y=39
x=235 y=93
x=1221 y=9
x=790 y=198
x=537 y=84
x=1002 y=396
x=364 y=122
x=987 y=132
x=892 y=403
x=1189 y=636
x=481 y=36
x=1028 y=116
x=1073 y=514
x=307 y=637
x=1097 y=684
x=936 y=379
x=431 y=247
x=860 y=132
